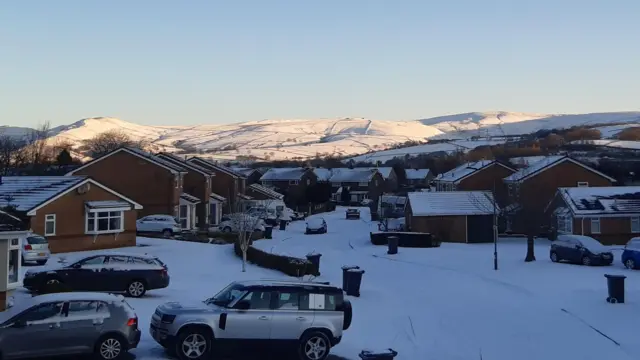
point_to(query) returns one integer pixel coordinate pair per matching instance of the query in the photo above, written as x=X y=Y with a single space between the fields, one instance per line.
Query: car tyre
x=554 y=257
x=586 y=261
x=315 y=345
x=110 y=347
x=630 y=264
x=193 y=344
x=226 y=229
x=136 y=289
x=167 y=233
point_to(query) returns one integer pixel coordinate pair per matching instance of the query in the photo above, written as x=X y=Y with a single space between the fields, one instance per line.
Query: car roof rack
x=298 y=281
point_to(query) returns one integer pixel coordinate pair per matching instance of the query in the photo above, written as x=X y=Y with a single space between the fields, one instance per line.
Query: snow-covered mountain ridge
x=304 y=138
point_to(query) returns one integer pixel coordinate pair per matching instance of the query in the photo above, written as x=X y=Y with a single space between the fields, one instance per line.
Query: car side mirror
x=76 y=266
x=243 y=305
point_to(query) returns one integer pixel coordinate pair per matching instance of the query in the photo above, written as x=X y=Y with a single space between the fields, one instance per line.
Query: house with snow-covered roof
x=359 y=183
x=453 y=216
x=419 y=177
x=530 y=189
x=610 y=214
x=291 y=182
x=74 y=213
x=228 y=183
x=483 y=175
x=390 y=177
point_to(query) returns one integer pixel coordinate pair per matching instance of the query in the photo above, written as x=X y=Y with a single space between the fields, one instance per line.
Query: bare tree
x=9 y=150
x=526 y=216
x=486 y=201
x=35 y=149
x=245 y=224
x=108 y=141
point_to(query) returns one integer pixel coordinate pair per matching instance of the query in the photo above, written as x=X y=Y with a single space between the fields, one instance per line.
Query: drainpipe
x=582 y=226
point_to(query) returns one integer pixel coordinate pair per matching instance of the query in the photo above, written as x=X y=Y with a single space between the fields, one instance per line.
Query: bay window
x=105 y=222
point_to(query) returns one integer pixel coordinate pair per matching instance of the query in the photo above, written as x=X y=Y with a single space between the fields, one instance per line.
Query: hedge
x=289 y=265
x=406 y=239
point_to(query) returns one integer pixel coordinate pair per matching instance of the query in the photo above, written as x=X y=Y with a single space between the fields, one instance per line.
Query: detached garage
x=452 y=216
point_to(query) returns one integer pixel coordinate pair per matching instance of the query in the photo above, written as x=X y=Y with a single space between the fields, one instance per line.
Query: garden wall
x=406 y=239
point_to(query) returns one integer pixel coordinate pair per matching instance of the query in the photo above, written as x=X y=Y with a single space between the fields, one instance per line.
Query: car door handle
x=54 y=326
x=263 y=318
x=301 y=318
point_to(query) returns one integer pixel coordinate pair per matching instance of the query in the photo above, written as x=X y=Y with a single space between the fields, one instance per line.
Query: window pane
x=183 y=211
x=36 y=240
x=114 y=223
x=103 y=224
x=103 y=214
x=118 y=259
x=115 y=213
x=13 y=266
x=288 y=301
x=260 y=300
x=91 y=224
x=49 y=227
x=43 y=313
x=98 y=260
x=91 y=215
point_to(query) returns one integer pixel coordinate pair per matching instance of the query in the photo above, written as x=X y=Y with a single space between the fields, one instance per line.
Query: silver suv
x=306 y=316
x=68 y=324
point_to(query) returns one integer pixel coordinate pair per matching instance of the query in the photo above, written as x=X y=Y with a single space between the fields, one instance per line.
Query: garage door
x=480 y=229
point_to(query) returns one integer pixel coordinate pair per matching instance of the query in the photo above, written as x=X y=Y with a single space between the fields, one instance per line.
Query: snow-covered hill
x=304 y=138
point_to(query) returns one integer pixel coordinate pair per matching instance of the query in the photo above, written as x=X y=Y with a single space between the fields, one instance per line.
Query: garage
x=452 y=216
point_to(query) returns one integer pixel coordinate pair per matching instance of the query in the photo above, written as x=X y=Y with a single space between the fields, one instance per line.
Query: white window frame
x=95 y=218
x=583 y=184
x=599 y=225
x=14 y=247
x=567 y=224
x=50 y=218
x=294 y=182
x=635 y=229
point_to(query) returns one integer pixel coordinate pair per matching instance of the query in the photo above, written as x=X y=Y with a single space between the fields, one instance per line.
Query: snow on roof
x=463 y=171
x=323 y=174
x=417 y=174
x=384 y=171
x=352 y=175
x=244 y=196
x=266 y=191
x=602 y=200
x=107 y=204
x=535 y=167
x=190 y=198
x=451 y=203
x=184 y=163
x=282 y=174
x=27 y=302
x=211 y=166
x=27 y=192
x=217 y=197
x=526 y=160
x=157 y=159
x=393 y=199
x=245 y=171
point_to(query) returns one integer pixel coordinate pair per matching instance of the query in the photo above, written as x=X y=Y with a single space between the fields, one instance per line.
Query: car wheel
x=110 y=347
x=586 y=261
x=42 y=262
x=136 y=289
x=193 y=344
x=630 y=264
x=167 y=233
x=226 y=229
x=554 y=257
x=314 y=346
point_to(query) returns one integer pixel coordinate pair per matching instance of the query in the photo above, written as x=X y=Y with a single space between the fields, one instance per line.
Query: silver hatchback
x=68 y=324
x=35 y=248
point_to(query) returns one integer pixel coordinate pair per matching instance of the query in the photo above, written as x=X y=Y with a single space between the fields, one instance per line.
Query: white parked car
x=234 y=222
x=35 y=248
x=166 y=225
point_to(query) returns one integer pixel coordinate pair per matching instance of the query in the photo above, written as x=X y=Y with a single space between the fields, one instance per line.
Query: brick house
x=291 y=182
x=390 y=177
x=362 y=183
x=227 y=183
x=609 y=214
x=419 y=178
x=197 y=182
x=149 y=180
x=483 y=175
x=74 y=213
x=530 y=189
x=452 y=216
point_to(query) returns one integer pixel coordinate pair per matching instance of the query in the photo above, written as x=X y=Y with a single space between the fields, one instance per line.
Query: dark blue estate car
x=580 y=249
x=631 y=254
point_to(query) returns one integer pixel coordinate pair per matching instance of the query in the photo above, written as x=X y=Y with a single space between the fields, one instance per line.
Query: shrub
x=289 y=265
x=406 y=239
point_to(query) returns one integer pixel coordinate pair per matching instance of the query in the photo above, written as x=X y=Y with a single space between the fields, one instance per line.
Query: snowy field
x=445 y=303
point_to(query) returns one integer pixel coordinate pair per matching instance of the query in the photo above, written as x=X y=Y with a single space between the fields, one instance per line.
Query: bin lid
x=347 y=267
x=356 y=271
x=365 y=354
x=614 y=276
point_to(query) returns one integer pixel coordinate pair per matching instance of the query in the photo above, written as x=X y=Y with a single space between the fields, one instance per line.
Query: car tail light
x=132 y=322
x=164 y=272
x=28 y=247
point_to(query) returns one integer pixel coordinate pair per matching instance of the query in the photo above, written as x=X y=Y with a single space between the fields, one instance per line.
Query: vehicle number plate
x=41 y=254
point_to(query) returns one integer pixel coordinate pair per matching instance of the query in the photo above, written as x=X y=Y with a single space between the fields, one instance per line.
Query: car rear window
x=36 y=240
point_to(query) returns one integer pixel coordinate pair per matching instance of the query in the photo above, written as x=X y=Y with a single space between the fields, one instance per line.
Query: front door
x=253 y=324
x=213 y=214
x=184 y=217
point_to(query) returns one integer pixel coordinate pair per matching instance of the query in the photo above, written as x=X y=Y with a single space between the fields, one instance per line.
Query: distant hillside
x=306 y=138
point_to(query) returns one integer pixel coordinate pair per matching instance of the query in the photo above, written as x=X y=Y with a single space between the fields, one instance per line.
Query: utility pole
x=495 y=229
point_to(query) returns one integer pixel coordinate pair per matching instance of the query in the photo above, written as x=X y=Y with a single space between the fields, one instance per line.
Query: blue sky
x=191 y=62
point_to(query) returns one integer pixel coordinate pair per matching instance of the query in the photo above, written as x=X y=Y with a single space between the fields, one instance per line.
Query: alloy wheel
x=315 y=348
x=110 y=349
x=586 y=261
x=630 y=264
x=194 y=346
x=136 y=289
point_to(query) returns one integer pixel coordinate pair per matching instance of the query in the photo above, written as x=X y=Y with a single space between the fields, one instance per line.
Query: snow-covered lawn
x=445 y=303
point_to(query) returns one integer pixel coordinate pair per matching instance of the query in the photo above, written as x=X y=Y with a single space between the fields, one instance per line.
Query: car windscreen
x=592 y=244
x=36 y=240
x=315 y=222
x=227 y=295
